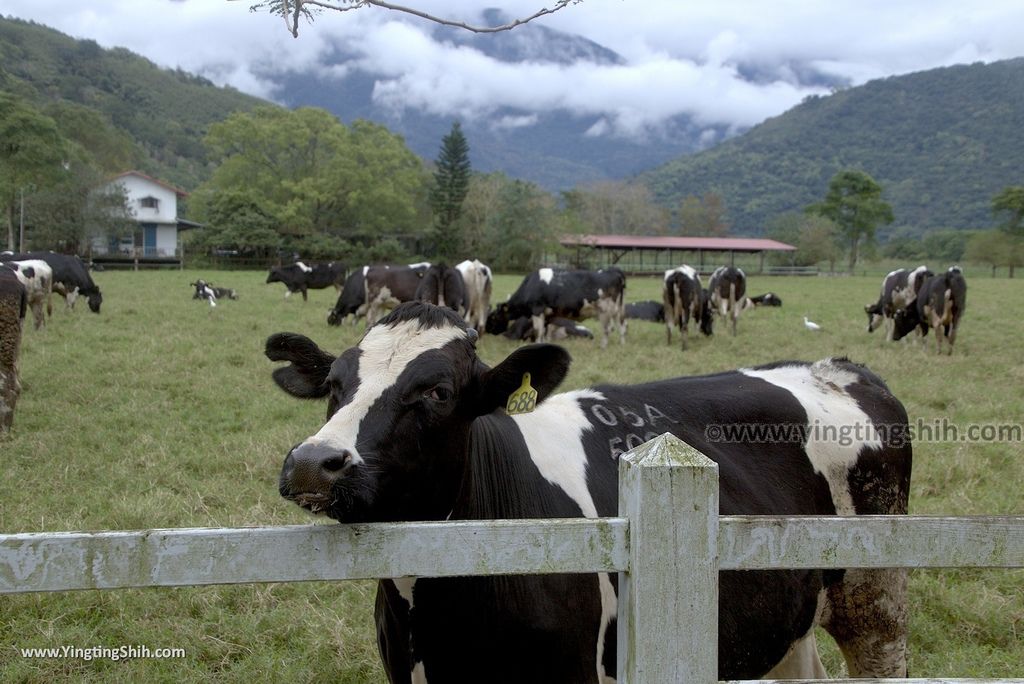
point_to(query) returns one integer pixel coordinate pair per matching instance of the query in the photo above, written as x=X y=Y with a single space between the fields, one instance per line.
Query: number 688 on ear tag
x=523 y=400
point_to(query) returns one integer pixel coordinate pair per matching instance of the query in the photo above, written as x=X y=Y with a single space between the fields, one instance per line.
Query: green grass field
x=160 y=412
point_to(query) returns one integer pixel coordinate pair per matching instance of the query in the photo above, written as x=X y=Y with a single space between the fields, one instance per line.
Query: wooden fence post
x=668 y=601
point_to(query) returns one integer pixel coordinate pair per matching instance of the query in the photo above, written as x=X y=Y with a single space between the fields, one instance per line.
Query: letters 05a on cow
x=417 y=429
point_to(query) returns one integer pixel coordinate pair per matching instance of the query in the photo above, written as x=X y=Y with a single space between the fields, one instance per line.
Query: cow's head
x=274 y=276
x=95 y=299
x=498 y=319
x=707 y=313
x=904 y=321
x=875 y=316
x=400 y=406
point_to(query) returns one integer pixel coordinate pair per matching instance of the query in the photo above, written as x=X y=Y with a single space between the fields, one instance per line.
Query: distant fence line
x=668 y=545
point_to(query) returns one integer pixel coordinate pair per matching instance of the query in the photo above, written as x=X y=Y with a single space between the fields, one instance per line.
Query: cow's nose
x=311 y=467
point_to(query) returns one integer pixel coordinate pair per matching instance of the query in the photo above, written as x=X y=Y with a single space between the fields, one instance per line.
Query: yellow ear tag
x=523 y=400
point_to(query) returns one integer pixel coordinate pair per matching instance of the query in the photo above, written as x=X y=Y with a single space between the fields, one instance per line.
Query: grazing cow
x=767 y=299
x=37 y=277
x=648 y=310
x=389 y=286
x=70 y=277
x=416 y=429
x=558 y=329
x=442 y=285
x=352 y=299
x=728 y=287
x=205 y=290
x=899 y=291
x=13 y=304
x=683 y=299
x=300 y=277
x=940 y=304
x=477 y=278
x=568 y=294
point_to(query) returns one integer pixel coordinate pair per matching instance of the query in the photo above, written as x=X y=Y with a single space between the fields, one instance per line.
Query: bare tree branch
x=307 y=9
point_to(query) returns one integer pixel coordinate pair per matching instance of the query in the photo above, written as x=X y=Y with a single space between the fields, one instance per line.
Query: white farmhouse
x=154 y=205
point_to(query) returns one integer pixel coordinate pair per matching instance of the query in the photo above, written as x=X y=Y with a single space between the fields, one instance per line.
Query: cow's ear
x=547 y=365
x=306 y=376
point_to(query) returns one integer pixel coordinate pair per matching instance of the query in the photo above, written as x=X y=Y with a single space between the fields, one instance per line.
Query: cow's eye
x=438 y=393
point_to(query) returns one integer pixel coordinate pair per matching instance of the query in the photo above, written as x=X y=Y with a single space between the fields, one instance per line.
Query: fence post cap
x=667 y=450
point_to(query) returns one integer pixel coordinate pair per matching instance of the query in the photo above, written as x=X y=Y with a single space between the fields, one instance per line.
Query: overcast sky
x=725 y=63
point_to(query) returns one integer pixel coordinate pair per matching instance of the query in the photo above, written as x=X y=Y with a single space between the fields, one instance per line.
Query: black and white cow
x=568 y=294
x=766 y=299
x=416 y=430
x=13 y=304
x=389 y=286
x=727 y=289
x=683 y=299
x=352 y=299
x=899 y=291
x=522 y=330
x=442 y=285
x=477 y=278
x=301 y=277
x=70 y=277
x=204 y=290
x=939 y=304
x=648 y=310
x=37 y=277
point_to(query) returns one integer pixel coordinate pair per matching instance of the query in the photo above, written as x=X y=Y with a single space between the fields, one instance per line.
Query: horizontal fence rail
x=60 y=561
x=668 y=547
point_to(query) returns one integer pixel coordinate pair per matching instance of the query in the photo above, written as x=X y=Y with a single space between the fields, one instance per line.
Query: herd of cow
x=419 y=428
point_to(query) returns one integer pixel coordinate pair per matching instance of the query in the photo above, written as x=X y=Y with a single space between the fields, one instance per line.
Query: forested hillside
x=126 y=111
x=941 y=143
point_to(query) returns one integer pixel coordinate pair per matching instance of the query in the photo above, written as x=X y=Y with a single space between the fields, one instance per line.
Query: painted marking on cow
x=386 y=351
x=821 y=391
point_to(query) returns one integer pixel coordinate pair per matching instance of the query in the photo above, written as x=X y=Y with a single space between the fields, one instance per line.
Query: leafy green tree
x=854 y=202
x=818 y=241
x=614 y=208
x=32 y=155
x=315 y=177
x=521 y=228
x=996 y=248
x=1010 y=203
x=451 y=183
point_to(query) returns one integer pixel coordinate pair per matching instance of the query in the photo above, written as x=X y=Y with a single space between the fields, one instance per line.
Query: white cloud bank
x=727 y=64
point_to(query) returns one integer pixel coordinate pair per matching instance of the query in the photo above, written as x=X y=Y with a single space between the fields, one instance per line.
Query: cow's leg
x=800 y=662
x=539 y=327
x=69 y=300
x=866 y=613
x=37 y=313
x=304 y=297
x=287 y=294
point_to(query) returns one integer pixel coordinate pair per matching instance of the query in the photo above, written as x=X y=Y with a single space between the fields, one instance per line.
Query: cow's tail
x=733 y=311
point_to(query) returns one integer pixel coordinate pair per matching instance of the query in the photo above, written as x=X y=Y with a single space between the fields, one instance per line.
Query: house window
x=150 y=203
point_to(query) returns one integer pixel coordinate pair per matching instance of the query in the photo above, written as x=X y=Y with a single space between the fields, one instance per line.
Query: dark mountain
x=941 y=143
x=126 y=110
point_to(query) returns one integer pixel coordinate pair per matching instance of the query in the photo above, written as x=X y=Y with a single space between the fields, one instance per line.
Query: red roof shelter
x=617 y=246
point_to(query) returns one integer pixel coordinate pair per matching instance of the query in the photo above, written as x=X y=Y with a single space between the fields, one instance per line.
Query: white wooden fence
x=668 y=545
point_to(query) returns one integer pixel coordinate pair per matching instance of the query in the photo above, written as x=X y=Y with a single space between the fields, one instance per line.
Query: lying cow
x=70 y=277
x=684 y=298
x=568 y=294
x=37 y=277
x=649 y=310
x=205 y=290
x=558 y=329
x=416 y=429
x=939 y=304
x=477 y=279
x=766 y=299
x=300 y=277
x=13 y=304
x=899 y=292
x=727 y=289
